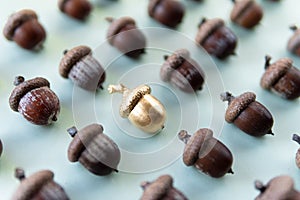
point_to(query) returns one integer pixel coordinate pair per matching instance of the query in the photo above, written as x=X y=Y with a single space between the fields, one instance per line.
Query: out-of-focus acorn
x=1 y=148
x=294 y=42
x=296 y=138
x=77 y=9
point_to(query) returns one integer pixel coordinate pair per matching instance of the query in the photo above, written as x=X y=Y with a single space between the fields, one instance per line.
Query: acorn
x=216 y=38
x=126 y=37
x=246 y=13
x=1 y=148
x=182 y=71
x=82 y=68
x=141 y=108
x=39 y=186
x=248 y=114
x=282 y=78
x=94 y=150
x=206 y=153
x=296 y=138
x=34 y=100
x=168 y=12
x=294 y=42
x=278 y=188
x=24 y=28
x=77 y=9
x=161 y=189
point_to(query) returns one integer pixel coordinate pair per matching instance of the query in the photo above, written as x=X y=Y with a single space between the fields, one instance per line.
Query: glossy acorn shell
x=77 y=9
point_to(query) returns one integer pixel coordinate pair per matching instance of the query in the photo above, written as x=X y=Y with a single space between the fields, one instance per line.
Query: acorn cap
x=71 y=58
x=15 y=20
x=294 y=41
x=23 y=88
x=240 y=6
x=275 y=71
x=158 y=188
x=151 y=6
x=116 y=25
x=206 y=28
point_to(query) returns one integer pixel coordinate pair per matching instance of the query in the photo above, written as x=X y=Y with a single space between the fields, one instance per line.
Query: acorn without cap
x=141 y=108
x=39 y=185
x=23 y=28
x=216 y=38
x=82 y=68
x=206 y=153
x=248 y=114
x=77 y=9
x=94 y=150
x=34 y=100
x=161 y=189
x=182 y=71
x=126 y=37
x=282 y=78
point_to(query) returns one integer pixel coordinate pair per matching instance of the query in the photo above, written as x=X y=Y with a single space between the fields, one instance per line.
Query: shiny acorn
x=39 y=186
x=77 y=9
x=126 y=37
x=161 y=189
x=246 y=13
x=296 y=138
x=206 y=153
x=182 y=71
x=141 y=108
x=94 y=150
x=82 y=68
x=167 y=12
x=294 y=42
x=248 y=114
x=282 y=78
x=278 y=188
x=24 y=28
x=34 y=100
x=216 y=38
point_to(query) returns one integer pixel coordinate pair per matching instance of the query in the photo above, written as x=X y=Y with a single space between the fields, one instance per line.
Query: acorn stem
x=227 y=96
x=120 y=88
x=270 y=132
x=260 y=186
x=18 y=80
x=296 y=138
x=72 y=131
x=294 y=27
x=267 y=61
x=202 y=22
x=20 y=174
x=230 y=171
x=109 y=19
x=166 y=57
x=145 y=184
x=184 y=136
x=65 y=51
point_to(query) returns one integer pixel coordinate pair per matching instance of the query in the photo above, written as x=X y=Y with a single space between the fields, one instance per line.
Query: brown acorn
x=167 y=12
x=39 y=186
x=216 y=38
x=246 y=13
x=34 y=100
x=248 y=114
x=82 y=68
x=77 y=9
x=278 y=188
x=94 y=150
x=1 y=148
x=206 y=153
x=161 y=189
x=296 y=138
x=23 y=28
x=294 y=42
x=126 y=37
x=182 y=71
x=282 y=78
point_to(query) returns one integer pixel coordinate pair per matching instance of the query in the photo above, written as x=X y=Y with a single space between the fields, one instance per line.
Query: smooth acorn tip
x=230 y=171
x=184 y=136
x=20 y=174
x=18 y=80
x=270 y=132
x=227 y=96
x=267 y=61
x=296 y=138
x=260 y=186
x=72 y=131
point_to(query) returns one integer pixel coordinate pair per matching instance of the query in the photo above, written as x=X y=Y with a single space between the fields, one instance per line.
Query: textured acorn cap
x=23 y=88
x=158 y=188
x=240 y=6
x=294 y=41
x=15 y=20
x=151 y=6
x=207 y=28
x=71 y=58
x=275 y=71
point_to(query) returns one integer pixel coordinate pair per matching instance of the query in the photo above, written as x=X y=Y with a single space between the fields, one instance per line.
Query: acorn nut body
x=206 y=153
x=294 y=42
x=247 y=114
x=77 y=9
x=82 y=68
x=182 y=71
x=35 y=100
x=94 y=150
x=24 y=28
x=39 y=186
x=141 y=108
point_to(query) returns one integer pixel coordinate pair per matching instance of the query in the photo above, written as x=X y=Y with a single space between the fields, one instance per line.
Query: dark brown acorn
x=161 y=189
x=182 y=71
x=34 y=100
x=282 y=78
x=1 y=148
x=294 y=42
x=216 y=38
x=296 y=138
x=39 y=186
x=167 y=12
x=246 y=13
x=23 y=28
x=77 y=9
x=248 y=114
x=94 y=150
x=126 y=37
x=278 y=188
x=206 y=153
x=82 y=68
